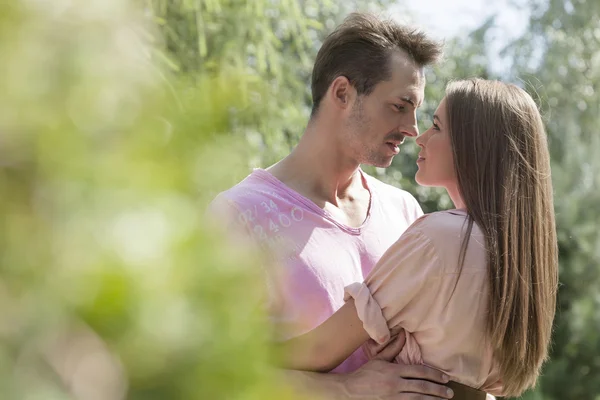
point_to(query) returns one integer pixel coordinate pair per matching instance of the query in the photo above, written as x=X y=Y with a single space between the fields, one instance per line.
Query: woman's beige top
x=418 y=286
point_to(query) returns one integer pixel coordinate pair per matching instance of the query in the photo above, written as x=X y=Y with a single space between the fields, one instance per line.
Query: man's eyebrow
x=408 y=100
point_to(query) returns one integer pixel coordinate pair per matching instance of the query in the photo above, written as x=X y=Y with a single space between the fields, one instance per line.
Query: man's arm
x=378 y=379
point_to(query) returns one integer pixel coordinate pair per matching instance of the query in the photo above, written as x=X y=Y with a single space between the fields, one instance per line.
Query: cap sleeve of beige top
x=401 y=288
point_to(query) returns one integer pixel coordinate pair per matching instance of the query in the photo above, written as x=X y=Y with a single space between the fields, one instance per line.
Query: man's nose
x=412 y=130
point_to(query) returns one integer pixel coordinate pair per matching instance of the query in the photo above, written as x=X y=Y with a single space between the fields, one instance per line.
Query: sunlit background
x=119 y=120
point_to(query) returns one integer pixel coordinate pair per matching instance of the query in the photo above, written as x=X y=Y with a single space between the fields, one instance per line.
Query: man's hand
x=380 y=380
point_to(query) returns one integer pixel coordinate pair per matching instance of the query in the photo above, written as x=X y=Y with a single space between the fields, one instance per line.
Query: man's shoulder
x=256 y=198
x=251 y=190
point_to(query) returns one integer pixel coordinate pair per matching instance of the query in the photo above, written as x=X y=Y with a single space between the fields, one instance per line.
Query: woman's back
x=420 y=287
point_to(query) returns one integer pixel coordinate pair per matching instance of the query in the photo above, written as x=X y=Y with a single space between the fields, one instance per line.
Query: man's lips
x=394 y=146
x=396 y=139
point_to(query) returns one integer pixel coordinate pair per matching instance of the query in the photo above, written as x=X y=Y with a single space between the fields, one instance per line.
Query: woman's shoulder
x=442 y=222
x=446 y=231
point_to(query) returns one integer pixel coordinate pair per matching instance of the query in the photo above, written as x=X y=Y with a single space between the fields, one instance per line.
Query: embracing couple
x=397 y=304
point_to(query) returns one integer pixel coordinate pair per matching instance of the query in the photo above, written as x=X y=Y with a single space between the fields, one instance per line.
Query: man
x=325 y=222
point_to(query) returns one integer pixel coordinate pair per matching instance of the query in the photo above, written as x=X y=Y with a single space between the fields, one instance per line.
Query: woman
x=473 y=288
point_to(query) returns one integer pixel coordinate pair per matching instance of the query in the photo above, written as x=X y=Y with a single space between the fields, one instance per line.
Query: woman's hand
x=387 y=351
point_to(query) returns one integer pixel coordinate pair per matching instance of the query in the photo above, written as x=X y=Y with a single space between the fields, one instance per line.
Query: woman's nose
x=422 y=139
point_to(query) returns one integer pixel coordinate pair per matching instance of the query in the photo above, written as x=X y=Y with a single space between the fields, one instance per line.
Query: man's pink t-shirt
x=315 y=257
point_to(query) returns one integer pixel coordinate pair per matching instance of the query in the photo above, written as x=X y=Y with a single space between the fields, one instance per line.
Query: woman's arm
x=398 y=292
x=326 y=346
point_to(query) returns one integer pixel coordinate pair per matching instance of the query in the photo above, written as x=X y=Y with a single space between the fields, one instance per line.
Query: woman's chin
x=422 y=181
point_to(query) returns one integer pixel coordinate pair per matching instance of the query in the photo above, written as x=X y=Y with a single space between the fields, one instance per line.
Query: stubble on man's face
x=366 y=146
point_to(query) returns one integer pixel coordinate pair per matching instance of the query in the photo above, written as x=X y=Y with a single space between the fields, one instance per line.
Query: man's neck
x=318 y=169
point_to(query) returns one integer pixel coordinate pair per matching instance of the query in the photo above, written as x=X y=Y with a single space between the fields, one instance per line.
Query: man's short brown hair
x=360 y=49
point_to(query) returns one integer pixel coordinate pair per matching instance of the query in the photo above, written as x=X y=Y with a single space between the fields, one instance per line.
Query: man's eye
x=398 y=107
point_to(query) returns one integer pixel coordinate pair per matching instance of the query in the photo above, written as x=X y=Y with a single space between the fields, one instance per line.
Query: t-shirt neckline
x=267 y=176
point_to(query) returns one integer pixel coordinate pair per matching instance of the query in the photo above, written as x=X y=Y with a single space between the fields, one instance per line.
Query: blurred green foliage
x=272 y=43
x=111 y=284
x=120 y=120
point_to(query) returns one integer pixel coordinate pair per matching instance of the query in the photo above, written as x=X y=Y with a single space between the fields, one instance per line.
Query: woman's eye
x=436 y=127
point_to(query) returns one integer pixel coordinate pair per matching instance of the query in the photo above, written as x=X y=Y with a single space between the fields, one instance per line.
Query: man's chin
x=383 y=163
x=377 y=159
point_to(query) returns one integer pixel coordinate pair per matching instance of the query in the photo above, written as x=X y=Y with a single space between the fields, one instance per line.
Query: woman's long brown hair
x=503 y=167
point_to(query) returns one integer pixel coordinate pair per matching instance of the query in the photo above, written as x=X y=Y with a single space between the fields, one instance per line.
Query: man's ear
x=341 y=92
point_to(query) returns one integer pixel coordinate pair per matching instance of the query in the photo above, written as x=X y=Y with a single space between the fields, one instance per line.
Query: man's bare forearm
x=376 y=379
x=311 y=384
